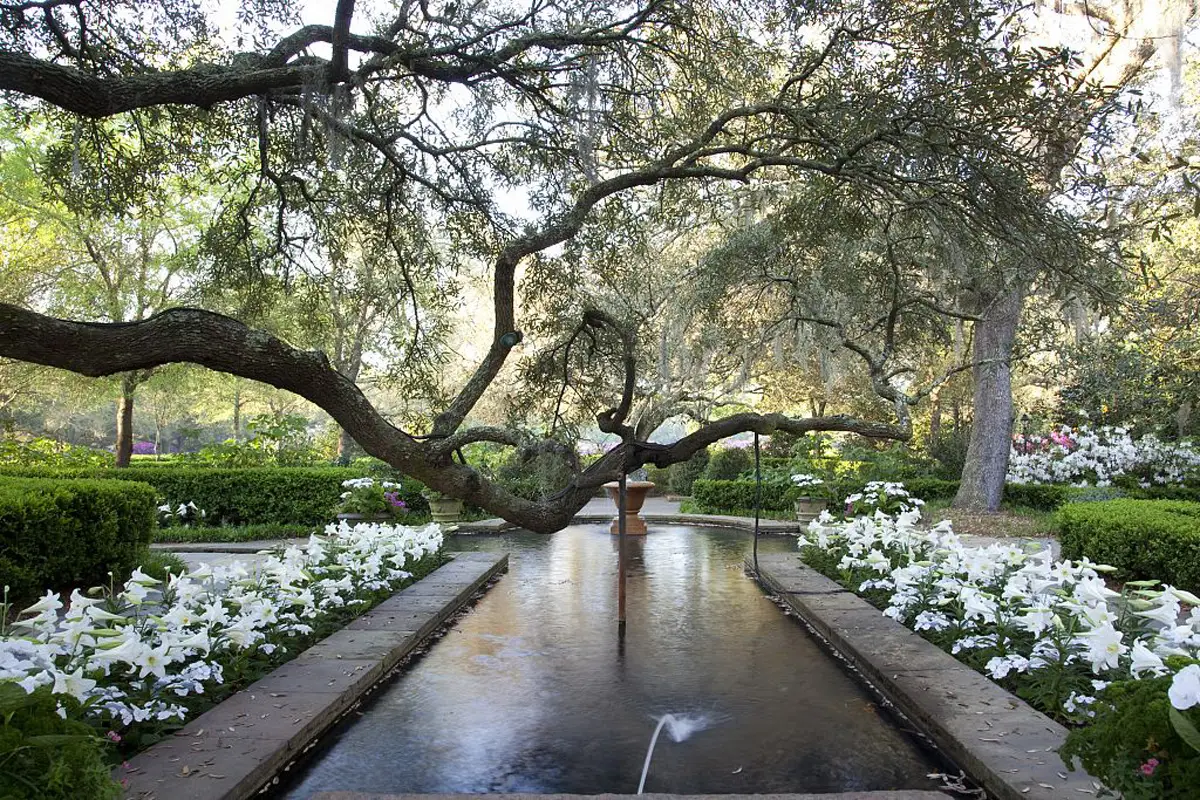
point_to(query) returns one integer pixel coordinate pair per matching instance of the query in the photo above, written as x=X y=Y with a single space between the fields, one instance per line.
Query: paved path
x=1035 y=544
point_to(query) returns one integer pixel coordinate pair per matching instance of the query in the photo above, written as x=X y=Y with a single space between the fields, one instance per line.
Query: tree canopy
x=864 y=147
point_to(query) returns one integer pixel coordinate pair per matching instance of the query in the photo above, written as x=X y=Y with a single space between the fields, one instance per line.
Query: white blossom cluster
x=1028 y=612
x=184 y=513
x=804 y=480
x=1096 y=456
x=130 y=655
x=886 y=496
x=364 y=483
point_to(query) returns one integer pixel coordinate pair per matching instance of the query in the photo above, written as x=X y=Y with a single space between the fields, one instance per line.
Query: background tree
x=566 y=106
x=1107 y=48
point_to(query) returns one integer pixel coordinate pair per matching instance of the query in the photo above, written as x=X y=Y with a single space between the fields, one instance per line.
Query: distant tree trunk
x=935 y=415
x=237 y=412
x=982 y=484
x=344 y=443
x=125 y=419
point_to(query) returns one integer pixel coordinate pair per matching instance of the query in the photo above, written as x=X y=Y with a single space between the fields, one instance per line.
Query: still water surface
x=530 y=691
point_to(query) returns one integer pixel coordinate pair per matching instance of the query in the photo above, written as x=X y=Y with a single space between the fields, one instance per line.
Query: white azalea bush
x=1051 y=631
x=133 y=659
x=1096 y=457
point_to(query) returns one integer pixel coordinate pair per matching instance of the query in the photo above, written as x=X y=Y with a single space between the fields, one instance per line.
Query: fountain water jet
x=679 y=729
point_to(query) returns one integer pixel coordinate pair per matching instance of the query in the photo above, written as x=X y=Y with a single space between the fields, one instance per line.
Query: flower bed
x=133 y=661
x=1096 y=457
x=1052 y=632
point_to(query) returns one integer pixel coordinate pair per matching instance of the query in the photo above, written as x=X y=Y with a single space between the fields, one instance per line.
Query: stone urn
x=809 y=508
x=635 y=496
x=446 y=509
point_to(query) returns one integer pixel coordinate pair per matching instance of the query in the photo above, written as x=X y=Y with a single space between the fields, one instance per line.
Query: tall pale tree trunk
x=982 y=485
x=935 y=416
x=125 y=419
x=1131 y=33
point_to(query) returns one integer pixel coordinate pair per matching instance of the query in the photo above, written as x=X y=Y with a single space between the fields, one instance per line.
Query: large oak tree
x=441 y=116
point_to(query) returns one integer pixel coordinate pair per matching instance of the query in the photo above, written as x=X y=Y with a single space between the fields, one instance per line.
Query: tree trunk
x=935 y=416
x=237 y=412
x=125 y=420
x=982 y=485
x=344 y=444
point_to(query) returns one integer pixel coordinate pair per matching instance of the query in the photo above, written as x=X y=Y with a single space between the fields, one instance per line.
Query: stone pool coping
x=1003 y=743
x=905 y=794
x=237 y=747
x=773 y=526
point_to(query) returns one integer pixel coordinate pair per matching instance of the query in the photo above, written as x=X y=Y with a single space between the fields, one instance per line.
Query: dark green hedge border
x=1143 y=539
x=57 y=534
x=252 y=496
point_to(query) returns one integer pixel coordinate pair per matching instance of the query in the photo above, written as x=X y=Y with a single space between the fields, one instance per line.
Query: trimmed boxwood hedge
x=64 y=533
x=252 y=496
x=718 y=496
x=1143 y=539
x=723 y=496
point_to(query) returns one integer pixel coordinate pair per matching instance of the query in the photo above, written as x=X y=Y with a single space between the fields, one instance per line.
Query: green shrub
x=42 y=450
x=1043 y=497
x=536 y=474
x=727 y=465
x=1172 y=492
x=931 y=488
x=678 y=478
x=280 y=495
x=64 y=533
x=895 y=462
x=719 y=497
x=243 y=533
x=45 y=756
x=1143 y=539
x=1132 y=726
x=949 y=450
x=685 y=473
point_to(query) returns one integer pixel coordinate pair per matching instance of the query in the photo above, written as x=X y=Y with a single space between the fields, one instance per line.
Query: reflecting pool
x=531 y=692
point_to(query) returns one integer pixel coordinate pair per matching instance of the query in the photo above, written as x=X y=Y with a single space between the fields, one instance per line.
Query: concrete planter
x=447 y=509
x=635 y=496
x=809 y=508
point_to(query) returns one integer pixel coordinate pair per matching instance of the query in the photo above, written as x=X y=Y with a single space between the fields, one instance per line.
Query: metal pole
x=757 y=497
x=621 y=555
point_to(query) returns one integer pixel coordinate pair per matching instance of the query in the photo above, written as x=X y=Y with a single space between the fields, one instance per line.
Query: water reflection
x=530 y=693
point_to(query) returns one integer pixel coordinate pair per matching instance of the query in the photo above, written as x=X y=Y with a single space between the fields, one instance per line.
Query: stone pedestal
x=635 y=495
x=808 y=509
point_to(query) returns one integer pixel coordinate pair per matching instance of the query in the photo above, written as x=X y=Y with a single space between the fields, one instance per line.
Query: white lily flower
x=1185 y=688
x=73 y=683
x=1144 y=660
x=49 y=603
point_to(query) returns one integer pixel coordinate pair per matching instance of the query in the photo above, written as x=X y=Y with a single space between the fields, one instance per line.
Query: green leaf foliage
x=1185 y=728
x=255 y=496
x=64 y=533
x=1132 y=726
x=1143 y=539
x=47 y=757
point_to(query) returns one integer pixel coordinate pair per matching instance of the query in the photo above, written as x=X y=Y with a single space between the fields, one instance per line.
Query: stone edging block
x=766 y=526
x=902 y=794
x=998 y=739
x=233 y=749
